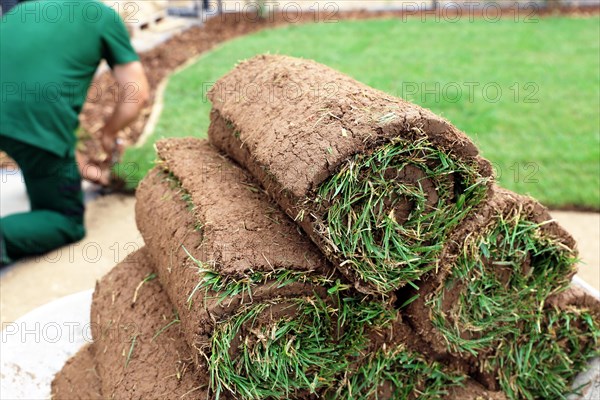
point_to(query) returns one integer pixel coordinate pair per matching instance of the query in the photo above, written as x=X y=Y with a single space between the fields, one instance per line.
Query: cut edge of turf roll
x=385 y=215
x=397 y=373
x=286 y=341
x=509 y=255
x=284 y=346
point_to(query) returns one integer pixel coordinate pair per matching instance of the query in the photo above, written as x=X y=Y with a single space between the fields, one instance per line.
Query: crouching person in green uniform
x=49 y=52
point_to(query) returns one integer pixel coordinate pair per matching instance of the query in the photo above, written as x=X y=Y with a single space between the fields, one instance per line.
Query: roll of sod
x=78 y=379
x=139 y=349
x=498 y=268
x=214 y=238
x=376 y=182
x=397 y=373
x=542 y=359
x=502 y=265
x=274 y=321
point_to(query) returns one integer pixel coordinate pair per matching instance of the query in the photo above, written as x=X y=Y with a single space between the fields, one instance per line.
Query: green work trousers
x=56 y=200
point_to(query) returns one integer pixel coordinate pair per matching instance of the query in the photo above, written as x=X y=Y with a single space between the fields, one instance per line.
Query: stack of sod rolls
x=401 y=271
x=376 y=182
x=262 y=310
x=403 y=205
x=228 y=299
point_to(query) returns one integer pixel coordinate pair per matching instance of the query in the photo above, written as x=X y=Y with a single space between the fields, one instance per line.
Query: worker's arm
x=133 y=94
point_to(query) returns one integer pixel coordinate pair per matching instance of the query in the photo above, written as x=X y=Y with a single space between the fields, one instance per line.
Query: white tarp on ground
x=34 y=348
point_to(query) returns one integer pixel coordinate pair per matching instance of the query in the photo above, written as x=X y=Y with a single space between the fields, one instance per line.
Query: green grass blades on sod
x=222 y=287
x=541 y=361
x=397 y=373
x=276 y=357
x=281 y=347
x=361 y=218
x=541 y=132
x=501 y=280
x=258 y=354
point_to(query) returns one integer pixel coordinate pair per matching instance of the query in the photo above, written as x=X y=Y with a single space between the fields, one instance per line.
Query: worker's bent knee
x=78 y=233
x=38 y=232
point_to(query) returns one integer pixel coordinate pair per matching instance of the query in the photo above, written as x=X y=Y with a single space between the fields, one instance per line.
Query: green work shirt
x=49 y=52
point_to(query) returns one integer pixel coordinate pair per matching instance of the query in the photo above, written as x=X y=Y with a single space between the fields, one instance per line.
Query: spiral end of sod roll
x=499 y=280
x=398 y=373
x=492 y=306
x=283 y=348
x=387 y=214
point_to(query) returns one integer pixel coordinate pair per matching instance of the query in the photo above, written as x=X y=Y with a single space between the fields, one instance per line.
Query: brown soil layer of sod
x=472 y=390
x=575 y=297
x=304 y=125
x=78 y=379
x=138 y=346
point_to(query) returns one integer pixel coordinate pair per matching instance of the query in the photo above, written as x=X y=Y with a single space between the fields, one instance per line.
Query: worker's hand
x=111 y=145
x=92 y=172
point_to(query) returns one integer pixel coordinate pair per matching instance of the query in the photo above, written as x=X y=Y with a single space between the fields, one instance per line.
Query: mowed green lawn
x=526 y=93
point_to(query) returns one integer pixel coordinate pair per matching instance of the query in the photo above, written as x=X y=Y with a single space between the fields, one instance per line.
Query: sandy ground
x=112 y=234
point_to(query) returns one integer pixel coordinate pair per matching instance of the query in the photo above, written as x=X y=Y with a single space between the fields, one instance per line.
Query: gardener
x=49 y=52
